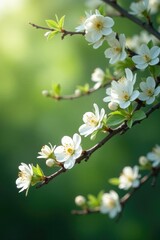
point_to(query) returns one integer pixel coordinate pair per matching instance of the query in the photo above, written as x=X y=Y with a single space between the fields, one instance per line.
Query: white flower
x=139 y=8
x=150 y=91
x=24 y=177
x=98 y=76
x=81 y=27
x=117 y=51
x=93 y=3
x=110 y=204
x=143 y=161
x=50 y=162
x=154 y=156
x=154 y=6
x=129 y=178
x=46 y=151
x=146 y=56
x=122 y=92
x=80 y=200
x=113 y=106
x=143 y=37
x=92 y=121
x=69 y=151
x=97 y=26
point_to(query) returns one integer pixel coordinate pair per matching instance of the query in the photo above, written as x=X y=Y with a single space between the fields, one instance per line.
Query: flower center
x=22 y=175
x=99 y=25
x=126 y=96
x=147 y=58
x=149 y=92
x=117 y=49
x=92 y=121
x=111 y=203
x=69 y=150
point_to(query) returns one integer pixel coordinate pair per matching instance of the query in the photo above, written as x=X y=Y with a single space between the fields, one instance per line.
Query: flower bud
x=113 y=106
x=45 y=93
x=143 y=161
x=80 y=200
x=50 y=162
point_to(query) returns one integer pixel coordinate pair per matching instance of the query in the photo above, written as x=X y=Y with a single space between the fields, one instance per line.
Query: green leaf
x=138 y=115
x=84 y=89
x=52 y=34
x=57 y=89
x=61 y=22
x=114 y=181
x=92 y=201
x=130 y=123
x=150 y=44
x=52 y=24
x=99 y=196
x=115 y=120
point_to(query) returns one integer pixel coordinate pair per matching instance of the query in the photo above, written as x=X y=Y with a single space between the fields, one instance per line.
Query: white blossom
x=122 y=91
x=80 y=200
x=154 y=6
x=24 y=177
x=50 y=162
x=154 y=156
x=146 y=56
x=46 y=151
x=69 y=151
x=129 y=178
x=143 y=161
x=81 y=27
x=117 y=51
x=149 y=90
x=143 y=37
x=92 y=4
x=138 y=8
x=92 y=121
x=96 y=27
x=110 y=204
x=98 y=77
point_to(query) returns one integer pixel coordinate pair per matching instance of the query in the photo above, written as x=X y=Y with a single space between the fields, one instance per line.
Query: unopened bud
x=50 y=162
x=143 y=161
x=80 y=200
x=113 y=106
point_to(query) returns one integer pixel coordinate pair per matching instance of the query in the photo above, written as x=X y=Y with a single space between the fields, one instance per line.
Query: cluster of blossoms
x=98 y=29
x=121 y=97
x=110 y=202
x=152 y=158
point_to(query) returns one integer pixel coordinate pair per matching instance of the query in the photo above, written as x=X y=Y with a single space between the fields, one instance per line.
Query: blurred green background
x=29 y=64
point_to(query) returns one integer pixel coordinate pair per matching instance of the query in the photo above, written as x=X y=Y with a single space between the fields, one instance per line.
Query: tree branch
x=63 y=31
x=134 y=19
x=154 y=174
x=87 y=153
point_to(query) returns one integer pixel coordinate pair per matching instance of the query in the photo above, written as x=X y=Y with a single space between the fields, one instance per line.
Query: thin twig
x=155 y=172
x=63 y=31
x=134 y=19
x=87 y=153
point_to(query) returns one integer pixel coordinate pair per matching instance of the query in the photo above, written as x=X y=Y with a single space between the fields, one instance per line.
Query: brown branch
x=75 y=96
x=124 y=13
x=155 y=172
x=63 y=31
x=87 y=153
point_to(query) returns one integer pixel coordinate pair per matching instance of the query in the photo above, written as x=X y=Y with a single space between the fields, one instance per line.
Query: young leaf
x=138 y=115
x=115 y=120
x=52 y=24
x=57 y=89
x=130 y=122
x=92 y=201
x=61 y=22
x=114 y=181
